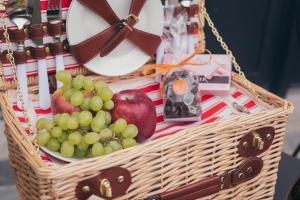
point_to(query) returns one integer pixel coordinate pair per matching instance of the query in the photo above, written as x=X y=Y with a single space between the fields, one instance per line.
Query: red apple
x=59 y=104
x=136 y=108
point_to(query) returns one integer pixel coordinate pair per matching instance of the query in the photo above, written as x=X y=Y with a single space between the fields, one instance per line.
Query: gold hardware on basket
x=257 y=141
x=45 y=29
x=26 y=30
x=245 y=144
x=105 y=188
x=47 y=49
x=249 y=169
x=121 y=179
x=86 y=189
x=241 y=175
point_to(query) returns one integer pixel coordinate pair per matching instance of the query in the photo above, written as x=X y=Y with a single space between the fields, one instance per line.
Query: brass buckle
x=105 y=188
x=134 y=17
x=257 y=141
x=125 y=24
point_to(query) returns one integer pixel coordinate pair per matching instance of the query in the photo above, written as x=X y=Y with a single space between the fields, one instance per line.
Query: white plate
x=83 y=23
x=59 y=156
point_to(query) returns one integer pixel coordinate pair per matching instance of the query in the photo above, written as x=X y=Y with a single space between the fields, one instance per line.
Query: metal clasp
x=105 y=188
x=223 y=177
x=257 y=141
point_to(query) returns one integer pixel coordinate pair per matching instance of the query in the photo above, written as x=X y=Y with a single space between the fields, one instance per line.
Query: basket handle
x=225 y=47
x=246 y=171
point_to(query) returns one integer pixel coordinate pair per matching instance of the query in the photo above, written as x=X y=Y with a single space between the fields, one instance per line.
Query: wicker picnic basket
x=236 y=158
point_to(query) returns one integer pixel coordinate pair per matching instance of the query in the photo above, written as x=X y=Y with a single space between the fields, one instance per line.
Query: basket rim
x=284 y=108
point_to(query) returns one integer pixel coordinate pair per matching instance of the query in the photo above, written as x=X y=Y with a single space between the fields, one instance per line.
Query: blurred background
x=265 y=38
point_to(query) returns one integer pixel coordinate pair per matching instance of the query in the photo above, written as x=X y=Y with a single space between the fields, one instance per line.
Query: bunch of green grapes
x=90 y=132
x=83 y=92
x=84 y=135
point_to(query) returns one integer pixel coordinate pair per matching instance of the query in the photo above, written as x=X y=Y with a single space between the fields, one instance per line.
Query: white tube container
x=44 y=92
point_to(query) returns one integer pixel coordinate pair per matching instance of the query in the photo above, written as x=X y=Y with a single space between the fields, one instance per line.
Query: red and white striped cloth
x=214 y=108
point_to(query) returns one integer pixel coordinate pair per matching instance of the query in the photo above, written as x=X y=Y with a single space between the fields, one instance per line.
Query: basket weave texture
x=157 y=166
x=164 y=164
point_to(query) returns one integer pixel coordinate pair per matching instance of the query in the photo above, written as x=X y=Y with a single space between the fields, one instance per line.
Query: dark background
x=263 y=35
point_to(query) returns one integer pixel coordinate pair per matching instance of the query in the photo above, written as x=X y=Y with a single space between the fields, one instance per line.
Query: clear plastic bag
x=181 y=96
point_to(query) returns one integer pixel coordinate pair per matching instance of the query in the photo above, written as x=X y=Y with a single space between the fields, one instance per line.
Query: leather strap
x=38 y=53
x=17 y=36
x=106 y=41
x=20 y=57
x=36 y=32
x=54 y=29
x=249 y=169
x=56 y=48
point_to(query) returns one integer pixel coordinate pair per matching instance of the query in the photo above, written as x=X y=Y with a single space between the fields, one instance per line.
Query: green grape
x=107 y=117
x=63 y=121
x=88 y=84
x=128 y=142
x=75 y=114
x=96 y=103
x=108 y=105
x=76 y=98
x=63 y=137
x=91 y=138
x=40 y=124
x=85 y=118
x=56 y=132
x=97 y=149
x=80 y=76
x=65 y=88
x=56 y=118
x=99 y=85
x=106 y=94
x=115 y=145
x=97 y=123
x=112 y=127
x=49 y=124
x=82 y=146
x=106 y=134
x=64 y=77
x=108 y=149
x=131 y=131
x=77 y=83
x=53 y=145
x=67 y=149
x=68 y=93
x=65 y=114
x=101 y=113
x=43 y=137
x=85 y=105
x=74 y=138
x=79 y=153
x=72 y=123
x=120 y=125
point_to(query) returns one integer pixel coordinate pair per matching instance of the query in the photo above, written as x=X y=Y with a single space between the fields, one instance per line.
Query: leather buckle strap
x=103 y=43
x=248 y=170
